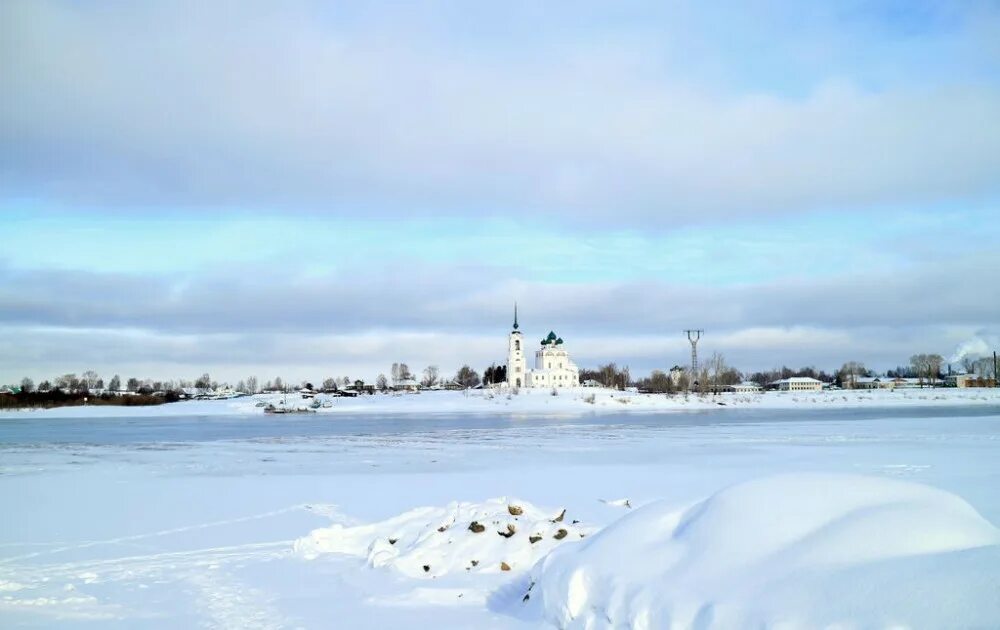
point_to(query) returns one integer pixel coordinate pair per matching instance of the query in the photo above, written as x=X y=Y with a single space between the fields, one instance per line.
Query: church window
x=517 y=344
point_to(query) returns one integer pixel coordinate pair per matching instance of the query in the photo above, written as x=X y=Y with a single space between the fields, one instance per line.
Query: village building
x=406 y=385
x=553 y=367
x=874 y=382
x=746 y=387
x=968 y=380
x=797 y=384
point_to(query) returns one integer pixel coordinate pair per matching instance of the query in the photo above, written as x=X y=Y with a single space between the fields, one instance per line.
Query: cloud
x=418 y=296
x=248 y=106
x=361 y=319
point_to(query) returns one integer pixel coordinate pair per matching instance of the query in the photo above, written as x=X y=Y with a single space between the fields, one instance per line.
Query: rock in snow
x=796 y=551
x=442 y=539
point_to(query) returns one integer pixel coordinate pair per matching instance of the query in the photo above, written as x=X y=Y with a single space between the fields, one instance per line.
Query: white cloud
x=226 y=106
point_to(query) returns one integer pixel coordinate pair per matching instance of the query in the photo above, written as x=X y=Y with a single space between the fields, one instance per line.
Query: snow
x=484 y=537
x=869 y=512
x=571 y=401
x=772 y=552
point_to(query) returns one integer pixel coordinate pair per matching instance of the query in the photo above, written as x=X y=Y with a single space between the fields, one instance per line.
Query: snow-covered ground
x=784 y=510
x=583 y=400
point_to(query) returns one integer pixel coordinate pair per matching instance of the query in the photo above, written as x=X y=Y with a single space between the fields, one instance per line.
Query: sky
x=308 y=190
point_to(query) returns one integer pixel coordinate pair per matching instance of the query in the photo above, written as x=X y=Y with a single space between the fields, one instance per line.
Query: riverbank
x=577 y=401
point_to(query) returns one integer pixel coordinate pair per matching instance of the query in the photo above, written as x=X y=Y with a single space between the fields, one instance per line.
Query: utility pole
x=693 y=336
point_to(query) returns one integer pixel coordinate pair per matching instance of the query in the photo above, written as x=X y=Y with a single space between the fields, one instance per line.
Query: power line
x=693 y=336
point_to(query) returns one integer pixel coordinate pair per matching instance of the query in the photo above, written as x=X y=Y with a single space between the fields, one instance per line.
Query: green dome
x=559 y=341
x=552 y=336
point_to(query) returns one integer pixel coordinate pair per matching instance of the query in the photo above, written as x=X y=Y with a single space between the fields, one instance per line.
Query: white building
x=553 y=367
x=746 y=387
x=874 y=382
x=798 y=384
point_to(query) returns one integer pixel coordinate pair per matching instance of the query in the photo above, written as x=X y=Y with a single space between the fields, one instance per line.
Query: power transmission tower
x=693 y=336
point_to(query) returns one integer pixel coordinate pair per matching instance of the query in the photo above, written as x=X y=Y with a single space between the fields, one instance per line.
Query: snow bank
x=428 y=542
x=787 y=551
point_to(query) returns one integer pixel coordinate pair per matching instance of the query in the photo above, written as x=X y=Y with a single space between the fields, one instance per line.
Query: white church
x=553 y=367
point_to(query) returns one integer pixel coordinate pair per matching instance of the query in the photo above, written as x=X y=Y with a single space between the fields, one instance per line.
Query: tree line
x=714 y=374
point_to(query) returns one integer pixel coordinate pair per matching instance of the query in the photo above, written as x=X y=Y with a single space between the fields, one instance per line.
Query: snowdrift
x=787 y=551
x=488 y=537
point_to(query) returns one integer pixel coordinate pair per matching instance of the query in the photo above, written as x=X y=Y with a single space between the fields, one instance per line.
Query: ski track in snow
x=224 y=601
x=230 y=604
x=164 y=532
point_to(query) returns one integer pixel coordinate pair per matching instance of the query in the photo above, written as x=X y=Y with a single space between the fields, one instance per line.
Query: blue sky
x=308 y=190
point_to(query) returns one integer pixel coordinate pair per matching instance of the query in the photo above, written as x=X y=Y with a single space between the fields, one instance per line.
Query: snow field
x=212 y=521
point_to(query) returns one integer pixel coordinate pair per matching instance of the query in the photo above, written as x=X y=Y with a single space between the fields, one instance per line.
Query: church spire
x=515 y=315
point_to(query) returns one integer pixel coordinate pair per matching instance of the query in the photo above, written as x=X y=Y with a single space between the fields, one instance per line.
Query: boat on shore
x=284 y=410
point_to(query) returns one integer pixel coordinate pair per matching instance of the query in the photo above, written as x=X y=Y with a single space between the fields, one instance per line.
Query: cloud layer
x=361 y=319
x=396 y=114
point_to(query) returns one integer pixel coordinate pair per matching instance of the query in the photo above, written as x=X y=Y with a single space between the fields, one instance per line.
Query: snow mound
x=792 y=551
x=489 y=537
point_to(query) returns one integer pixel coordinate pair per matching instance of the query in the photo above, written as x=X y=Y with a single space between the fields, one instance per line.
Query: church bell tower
x=515 y=356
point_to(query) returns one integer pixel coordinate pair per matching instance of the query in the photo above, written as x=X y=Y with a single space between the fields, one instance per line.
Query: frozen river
x=181 y=521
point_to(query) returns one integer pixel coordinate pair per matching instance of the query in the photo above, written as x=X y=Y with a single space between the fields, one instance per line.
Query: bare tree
x=394 y=372
x=926 y=366
x=608 y=374
x=27 y=385
x=850 y=372
x=467 y=377
x=88 y=379
x=917 y=362
x=252 y=385
x=721 y=373
x=204 y=381
x=330 y=385
x=430 y=376
x=381 y=383
x=985 y=367
x=658 y=382
x=68 y=383
x=968 y=364
x=115 y=384
x=934 y=363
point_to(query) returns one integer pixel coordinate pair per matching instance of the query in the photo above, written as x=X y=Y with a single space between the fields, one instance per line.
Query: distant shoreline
x=575 y=401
